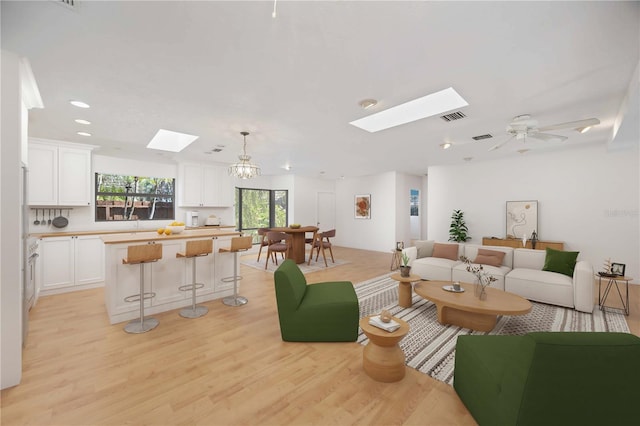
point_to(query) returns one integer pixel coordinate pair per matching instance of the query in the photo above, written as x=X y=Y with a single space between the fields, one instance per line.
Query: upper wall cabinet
x=204 y=186
x=59 y=173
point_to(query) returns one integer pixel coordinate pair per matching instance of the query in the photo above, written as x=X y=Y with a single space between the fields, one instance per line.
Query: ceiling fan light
x=584 y=129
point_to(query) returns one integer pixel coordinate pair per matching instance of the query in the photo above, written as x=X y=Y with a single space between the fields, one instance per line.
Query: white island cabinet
x=167 y=274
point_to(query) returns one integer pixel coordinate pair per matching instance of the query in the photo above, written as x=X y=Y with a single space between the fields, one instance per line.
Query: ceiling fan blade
x=571 y=125
x=493 y=148
x=547 y=137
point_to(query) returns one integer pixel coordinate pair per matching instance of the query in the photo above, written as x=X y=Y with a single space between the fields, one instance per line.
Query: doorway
x=326 y=211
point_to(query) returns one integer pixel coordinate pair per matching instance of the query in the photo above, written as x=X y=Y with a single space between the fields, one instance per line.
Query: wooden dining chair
x=323 y=242
x=279 y=242
x=262 y=232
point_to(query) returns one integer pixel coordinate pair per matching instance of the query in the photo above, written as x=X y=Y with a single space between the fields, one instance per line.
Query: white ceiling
x=214 y=69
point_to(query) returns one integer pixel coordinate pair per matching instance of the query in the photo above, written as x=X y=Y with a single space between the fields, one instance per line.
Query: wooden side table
x=405 y=293
x=611 y=282
x=396 y=259
x=382 y=358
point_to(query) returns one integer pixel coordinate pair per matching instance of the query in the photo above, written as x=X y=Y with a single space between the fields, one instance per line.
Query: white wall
x=10 y=214
x=377 y=233
x=588 y=198
x=306 y=199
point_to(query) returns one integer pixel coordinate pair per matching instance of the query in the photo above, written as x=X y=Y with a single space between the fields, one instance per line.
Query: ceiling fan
x=523 y=127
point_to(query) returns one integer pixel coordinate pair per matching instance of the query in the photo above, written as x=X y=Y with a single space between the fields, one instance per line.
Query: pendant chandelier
x=244 y=169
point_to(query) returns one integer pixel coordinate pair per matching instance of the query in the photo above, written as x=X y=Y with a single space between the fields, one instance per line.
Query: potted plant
x=458 y=229
x=405 y=269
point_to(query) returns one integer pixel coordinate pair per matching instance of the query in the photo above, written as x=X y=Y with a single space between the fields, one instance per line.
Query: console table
x=517 y=243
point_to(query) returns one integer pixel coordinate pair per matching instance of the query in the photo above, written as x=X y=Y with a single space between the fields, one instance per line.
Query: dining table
x=297 y=251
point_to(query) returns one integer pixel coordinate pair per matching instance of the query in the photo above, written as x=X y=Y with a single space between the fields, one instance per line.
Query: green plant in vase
x=405 y=269
x=458 y=229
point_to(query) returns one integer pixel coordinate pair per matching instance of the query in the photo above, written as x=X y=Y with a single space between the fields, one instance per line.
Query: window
x=120 y=197
x=260 y=208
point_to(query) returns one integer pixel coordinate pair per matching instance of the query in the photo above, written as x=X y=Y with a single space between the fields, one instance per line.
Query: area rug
x=251 y=260
x=430 y=347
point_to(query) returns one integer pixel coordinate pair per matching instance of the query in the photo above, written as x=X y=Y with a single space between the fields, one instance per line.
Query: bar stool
x=238 y=244
x=139 y=255
x=194 y=249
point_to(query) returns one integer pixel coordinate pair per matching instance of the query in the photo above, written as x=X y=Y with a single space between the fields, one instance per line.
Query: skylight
x=166 y=140
x=426 y=106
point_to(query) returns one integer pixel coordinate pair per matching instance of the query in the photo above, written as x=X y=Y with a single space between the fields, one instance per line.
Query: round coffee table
x=468 y=311
x=405 y=297
x=382 y=358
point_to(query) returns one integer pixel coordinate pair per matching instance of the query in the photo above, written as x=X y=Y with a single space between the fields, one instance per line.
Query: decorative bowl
x=175 y=229
x=294 y=226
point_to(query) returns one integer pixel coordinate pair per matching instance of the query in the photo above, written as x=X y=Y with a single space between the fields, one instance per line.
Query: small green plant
x=458 y=229
x=405 y=259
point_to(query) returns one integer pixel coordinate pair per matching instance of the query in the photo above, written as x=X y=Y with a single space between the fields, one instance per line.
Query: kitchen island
x=164 y=276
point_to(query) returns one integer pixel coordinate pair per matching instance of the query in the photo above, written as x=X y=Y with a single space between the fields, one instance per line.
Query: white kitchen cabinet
x=59 y=174
x=71 y=262
x=204 y=186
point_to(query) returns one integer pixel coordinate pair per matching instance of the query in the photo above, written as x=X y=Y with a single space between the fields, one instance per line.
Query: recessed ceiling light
x=368 y=103
x=80 y=121
x=426 y=106
x=79 y=104
x=445 y=145
x=167 y=140
x=84 y=133
x=584 y=129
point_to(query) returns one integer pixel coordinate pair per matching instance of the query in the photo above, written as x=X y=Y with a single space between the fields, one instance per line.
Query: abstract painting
x=522 y=219
x=363 y=206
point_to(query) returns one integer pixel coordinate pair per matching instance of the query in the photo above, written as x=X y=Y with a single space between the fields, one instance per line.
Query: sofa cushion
x=489 y=257
x=434 y=268
x=445 y=251
x=541 y=286
x=425 y=248
x=562 y=262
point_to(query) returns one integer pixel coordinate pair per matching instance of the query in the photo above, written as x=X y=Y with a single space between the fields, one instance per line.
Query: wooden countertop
x=137 y=237
x=119 y=231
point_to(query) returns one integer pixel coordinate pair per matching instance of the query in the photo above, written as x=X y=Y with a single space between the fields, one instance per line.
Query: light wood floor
x=229 y=367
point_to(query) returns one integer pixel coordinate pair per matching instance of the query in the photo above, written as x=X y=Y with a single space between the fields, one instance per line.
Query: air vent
x=453 y=116
x=71 y=4
x=479 y=138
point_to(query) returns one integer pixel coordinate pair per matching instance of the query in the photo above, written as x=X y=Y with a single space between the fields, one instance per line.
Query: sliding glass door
x=260 y=208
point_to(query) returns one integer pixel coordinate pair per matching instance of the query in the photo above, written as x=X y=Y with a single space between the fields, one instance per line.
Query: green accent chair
x=321 y=312
x=552 y=378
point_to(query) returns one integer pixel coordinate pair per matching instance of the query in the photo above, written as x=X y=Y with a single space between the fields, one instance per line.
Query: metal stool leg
x=193 y=311
x=234 y=300
x=142 y=324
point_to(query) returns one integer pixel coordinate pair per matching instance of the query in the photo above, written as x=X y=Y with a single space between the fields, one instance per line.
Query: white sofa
x=520 y=273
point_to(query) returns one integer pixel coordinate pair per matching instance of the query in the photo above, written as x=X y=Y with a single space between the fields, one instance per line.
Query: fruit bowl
x=294 y=226
x=175 y=229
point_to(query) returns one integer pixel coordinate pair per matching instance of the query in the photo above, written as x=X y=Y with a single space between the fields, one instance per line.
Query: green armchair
x=553 y=378
x=322 y=312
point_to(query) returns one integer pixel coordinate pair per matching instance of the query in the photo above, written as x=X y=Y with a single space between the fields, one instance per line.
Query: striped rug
x=430 y=347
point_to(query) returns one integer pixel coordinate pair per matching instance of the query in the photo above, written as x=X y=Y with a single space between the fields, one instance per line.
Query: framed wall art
x=522 y=219
x=363 y=206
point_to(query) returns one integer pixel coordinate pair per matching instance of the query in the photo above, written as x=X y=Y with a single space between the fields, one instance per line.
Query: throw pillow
x=562 y=262
x=445 y=251
x=489 y=257
x=425 y=248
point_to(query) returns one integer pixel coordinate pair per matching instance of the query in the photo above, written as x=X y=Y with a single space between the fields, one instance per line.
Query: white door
x=326 y=211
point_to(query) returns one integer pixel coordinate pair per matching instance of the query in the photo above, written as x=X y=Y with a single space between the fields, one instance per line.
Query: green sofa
x=553 y=378
x=322 y=312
